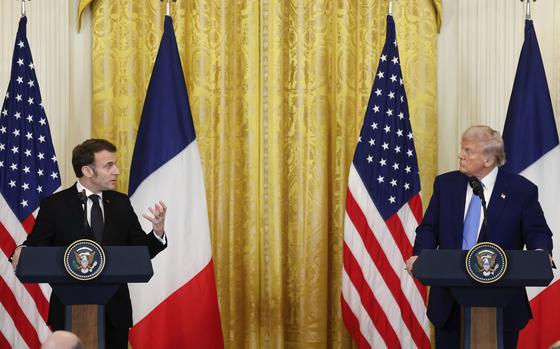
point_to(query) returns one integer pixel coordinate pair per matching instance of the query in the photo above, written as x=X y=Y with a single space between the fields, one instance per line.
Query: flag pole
x=390 y=7
x=23 y=7
x=528 y=9
x=167 y=6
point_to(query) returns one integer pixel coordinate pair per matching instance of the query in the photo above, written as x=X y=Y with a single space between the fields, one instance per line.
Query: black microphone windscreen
x=476 y=185
x=82 y=196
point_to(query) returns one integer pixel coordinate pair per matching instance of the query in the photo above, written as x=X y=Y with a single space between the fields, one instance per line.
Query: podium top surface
x=123 y=264
x=447 y=268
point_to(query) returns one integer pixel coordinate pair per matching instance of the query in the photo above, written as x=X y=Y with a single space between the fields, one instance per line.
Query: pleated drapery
x=278 y=91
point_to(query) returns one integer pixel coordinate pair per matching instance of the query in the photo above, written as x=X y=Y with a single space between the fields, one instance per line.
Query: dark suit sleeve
x=427 y=233
x=536 y=232
x=137 y=236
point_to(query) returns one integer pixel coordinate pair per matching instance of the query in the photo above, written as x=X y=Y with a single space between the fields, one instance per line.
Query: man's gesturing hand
x=158 y=219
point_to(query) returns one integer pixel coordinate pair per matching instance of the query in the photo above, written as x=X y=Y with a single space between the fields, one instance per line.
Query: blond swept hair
x=492 y=142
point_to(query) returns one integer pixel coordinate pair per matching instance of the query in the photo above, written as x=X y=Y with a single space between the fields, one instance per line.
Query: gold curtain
x=278 y=91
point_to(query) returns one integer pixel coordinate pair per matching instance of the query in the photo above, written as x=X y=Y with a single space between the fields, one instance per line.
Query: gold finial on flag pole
x=167 y=6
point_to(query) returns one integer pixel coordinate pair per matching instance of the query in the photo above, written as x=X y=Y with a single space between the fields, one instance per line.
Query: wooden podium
x=482 y=303
x=124 y=264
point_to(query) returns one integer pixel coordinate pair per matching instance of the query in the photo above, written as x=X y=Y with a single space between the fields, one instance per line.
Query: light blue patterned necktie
x=472 y=220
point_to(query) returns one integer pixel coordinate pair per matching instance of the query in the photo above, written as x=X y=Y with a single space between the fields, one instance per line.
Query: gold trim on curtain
x=278 y=91
x=81 y=7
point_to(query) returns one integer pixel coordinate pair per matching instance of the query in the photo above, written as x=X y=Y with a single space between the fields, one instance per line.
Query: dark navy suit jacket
x=515 y=219
x=61 y=221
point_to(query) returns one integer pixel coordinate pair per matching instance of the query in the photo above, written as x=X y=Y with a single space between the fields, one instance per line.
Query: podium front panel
x=123 y=264
x=447 y=268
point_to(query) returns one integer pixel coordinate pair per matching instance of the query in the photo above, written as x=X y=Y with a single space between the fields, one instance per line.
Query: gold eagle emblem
x=486 y=260
x=85 y=261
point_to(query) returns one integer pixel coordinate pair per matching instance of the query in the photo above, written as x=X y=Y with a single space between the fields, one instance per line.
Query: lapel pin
x=503 y=195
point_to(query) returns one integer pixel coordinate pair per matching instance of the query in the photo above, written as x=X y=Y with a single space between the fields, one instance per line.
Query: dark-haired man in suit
x=111 y=219
x=454 y=218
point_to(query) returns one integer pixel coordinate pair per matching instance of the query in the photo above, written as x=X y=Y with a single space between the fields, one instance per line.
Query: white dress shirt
x=80 y=188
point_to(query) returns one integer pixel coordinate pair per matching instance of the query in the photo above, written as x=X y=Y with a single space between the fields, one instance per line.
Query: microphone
x=82 y=196
x=478 y=190
x=83 y=199
x=476 y=186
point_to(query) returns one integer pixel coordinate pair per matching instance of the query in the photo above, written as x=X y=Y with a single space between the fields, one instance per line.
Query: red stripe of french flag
x=191 y=313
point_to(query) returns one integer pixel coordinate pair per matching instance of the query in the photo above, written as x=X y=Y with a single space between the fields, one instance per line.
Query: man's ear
x=87 y=171
x=490 y=161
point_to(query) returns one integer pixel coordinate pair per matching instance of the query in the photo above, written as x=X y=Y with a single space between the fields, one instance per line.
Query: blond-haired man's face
x=473 y=161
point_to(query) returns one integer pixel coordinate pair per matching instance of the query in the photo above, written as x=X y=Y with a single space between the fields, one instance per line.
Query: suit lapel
x=498 y=202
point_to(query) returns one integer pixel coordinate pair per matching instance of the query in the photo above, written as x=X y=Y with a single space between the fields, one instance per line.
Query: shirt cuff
x=162 y=239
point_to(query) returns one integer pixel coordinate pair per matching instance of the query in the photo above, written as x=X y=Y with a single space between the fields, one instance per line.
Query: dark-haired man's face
x=102 y=175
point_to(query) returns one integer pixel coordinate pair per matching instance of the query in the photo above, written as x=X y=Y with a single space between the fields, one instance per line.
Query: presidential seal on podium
x=84 y=259
x=486 y=262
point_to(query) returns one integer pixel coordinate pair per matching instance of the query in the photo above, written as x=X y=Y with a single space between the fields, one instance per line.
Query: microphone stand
x=484 y=228
x=68 y=308
x=83 y=199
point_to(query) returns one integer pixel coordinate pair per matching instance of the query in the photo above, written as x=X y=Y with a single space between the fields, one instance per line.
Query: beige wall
x=478 y=51
x=62 y=60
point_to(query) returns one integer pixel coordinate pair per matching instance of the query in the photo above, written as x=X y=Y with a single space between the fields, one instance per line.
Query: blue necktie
x=472 y=220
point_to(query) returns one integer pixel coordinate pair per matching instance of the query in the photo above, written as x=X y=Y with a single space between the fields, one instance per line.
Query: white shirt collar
x=80 y=187
x=489 y=180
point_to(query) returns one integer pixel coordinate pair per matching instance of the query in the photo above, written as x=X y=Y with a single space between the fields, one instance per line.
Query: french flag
x=178 y=307
x=532 y=150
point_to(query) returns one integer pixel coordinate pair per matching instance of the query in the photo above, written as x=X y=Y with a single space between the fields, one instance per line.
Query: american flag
x=28 y=173
x=382 y=306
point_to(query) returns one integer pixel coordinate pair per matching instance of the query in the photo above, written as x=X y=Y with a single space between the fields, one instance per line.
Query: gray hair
x=493 y=144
